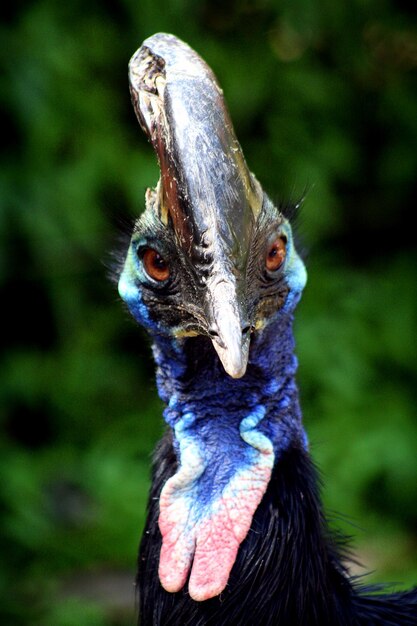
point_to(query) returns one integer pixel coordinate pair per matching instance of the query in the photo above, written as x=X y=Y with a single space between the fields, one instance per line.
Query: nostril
x=213 y=332
x=245 y=330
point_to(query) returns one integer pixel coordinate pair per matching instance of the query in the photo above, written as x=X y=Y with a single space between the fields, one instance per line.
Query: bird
x=235 y=531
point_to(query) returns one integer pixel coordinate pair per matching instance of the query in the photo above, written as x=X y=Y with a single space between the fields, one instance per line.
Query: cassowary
x=235 y=533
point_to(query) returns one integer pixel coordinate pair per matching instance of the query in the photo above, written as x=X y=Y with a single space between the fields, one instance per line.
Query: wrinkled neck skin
x=191 y=379
x=228 y=434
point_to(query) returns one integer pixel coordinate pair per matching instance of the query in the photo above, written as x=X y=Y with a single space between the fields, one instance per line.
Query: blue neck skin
x=228 y=434
x=192 y=383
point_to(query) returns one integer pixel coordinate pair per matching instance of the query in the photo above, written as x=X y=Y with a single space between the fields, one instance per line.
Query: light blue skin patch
x=130 y=292
x=164 y=344
x=294 y=270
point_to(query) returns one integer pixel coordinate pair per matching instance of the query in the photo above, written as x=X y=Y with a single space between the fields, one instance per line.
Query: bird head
x=211 y=255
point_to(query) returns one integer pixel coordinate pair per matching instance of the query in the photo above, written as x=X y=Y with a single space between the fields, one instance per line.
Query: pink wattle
x=202 y=541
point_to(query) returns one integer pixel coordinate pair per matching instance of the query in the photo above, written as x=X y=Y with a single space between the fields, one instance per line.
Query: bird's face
x=211 y=255
x=219 y=291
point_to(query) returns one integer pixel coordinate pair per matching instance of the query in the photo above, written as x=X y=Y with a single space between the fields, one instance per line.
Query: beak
x=230 y=337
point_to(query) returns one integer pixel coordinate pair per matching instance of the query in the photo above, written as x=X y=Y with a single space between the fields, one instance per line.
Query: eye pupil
x=155 y=265
x=159 y=262
x=276 y=254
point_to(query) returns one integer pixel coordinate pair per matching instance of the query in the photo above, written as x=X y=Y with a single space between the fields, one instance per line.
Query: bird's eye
x=276 y=254
x=155 y=265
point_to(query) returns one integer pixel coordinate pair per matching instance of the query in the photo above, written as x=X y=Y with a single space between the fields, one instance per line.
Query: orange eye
x=156 y=267
x=276 y=254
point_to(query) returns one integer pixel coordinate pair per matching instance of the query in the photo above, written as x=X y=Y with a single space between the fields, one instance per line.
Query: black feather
x=115 y=260
x=288 y=570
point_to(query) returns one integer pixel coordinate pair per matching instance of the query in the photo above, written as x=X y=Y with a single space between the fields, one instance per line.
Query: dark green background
x=323 y=97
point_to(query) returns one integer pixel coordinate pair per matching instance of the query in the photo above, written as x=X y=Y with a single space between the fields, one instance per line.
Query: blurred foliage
x=323 y=96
